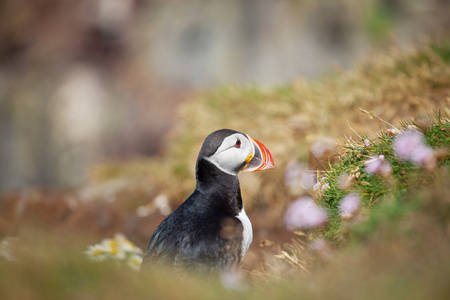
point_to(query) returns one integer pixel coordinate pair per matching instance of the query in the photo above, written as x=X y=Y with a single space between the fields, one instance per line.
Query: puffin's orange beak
x=261 y=159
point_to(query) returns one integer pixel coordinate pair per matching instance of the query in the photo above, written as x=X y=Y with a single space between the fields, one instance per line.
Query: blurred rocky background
x=83 y=82
x=104 y=105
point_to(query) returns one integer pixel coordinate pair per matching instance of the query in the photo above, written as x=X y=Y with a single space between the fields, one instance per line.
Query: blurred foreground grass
x=400 y=250
x=406 y=257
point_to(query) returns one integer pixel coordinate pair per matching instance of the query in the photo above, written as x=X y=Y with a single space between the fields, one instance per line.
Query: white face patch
x=247 y=233
x=232 y=153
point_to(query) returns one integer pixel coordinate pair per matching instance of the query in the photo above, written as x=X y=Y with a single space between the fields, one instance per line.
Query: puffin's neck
x=225 y=187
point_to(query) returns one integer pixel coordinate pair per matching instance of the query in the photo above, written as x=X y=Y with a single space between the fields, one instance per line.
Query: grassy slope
x=399 y=186
x=405 y=257
x=288 y=120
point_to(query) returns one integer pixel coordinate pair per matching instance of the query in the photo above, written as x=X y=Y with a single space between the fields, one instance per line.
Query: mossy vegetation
x=398 y=186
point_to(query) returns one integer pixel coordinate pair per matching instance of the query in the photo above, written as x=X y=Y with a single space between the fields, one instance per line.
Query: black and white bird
x=210 y=231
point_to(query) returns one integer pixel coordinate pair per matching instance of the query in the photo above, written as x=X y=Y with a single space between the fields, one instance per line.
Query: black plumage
x=203 y=234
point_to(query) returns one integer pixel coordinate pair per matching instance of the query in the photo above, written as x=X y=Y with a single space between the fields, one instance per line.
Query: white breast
x=247 y=232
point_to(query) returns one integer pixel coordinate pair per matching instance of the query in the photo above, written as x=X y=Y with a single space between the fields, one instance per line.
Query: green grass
x=406 y=178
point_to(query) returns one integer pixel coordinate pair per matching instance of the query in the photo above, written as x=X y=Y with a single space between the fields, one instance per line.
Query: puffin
x=210 y=231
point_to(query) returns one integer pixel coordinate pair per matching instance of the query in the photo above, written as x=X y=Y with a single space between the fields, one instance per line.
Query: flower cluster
x=321 y=247
x=410 y=145
x=321 y=184
x=345 y=181
x=119 y=249
x=377 y=165
x=349 y=206
x=393 y=131
x=304 y=213
x=297 y=174
x=5 y=251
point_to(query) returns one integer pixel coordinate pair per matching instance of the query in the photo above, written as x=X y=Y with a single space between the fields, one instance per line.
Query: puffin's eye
x=238 y=143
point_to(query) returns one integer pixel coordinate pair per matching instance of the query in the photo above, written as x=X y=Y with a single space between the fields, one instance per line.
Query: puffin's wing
x=197 y=248
x=213 y=248
x=163 y=245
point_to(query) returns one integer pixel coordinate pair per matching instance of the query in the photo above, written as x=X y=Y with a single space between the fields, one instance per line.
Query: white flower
x=144 y=210
x=97 y=252
x=119 y=249
x=125 y=245
x=134 y=261
x=5 y=251
x=112 y=249
x=161 y=202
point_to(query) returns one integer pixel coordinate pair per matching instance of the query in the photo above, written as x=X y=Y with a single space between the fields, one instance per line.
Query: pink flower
x=232 y=279
x=325 y=186
x=321 y=184
x=411 y=146
x=318 y=245
x=345 y=181
x=367 y=143
x=298 y=174
x=393 y=131
x=321 y=247
x=422 y=155
x=316 y=186
x=407 y=142
x=304 y=213
x=377 y=165
x=322 y=147
x=349 y=206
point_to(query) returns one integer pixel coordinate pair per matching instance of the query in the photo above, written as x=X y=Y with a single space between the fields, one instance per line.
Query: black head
x=213 y=141
x=232 y=151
